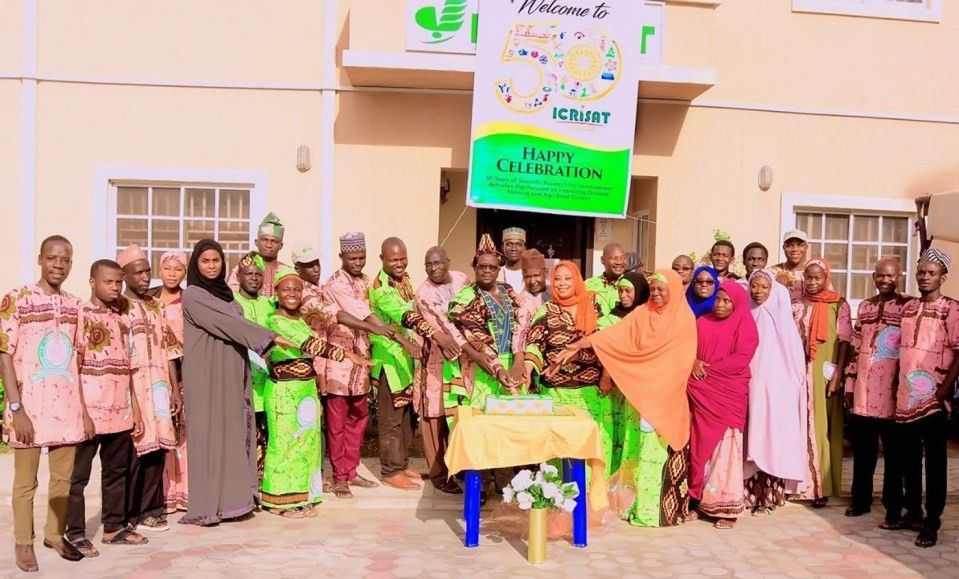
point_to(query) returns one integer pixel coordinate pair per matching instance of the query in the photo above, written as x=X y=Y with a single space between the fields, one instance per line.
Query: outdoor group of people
x=713 y=395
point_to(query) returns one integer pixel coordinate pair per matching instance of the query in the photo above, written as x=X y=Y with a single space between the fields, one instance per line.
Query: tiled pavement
x=385 y=533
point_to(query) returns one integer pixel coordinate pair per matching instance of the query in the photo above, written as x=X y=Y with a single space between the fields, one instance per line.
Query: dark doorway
x=556 y=236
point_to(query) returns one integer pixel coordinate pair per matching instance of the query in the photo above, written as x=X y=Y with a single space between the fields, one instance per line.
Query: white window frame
x=927 y=11
x=641 y=235
x=793 y=203
x=107 y=180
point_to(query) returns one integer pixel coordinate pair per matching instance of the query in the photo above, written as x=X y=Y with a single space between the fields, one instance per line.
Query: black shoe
x=64 y=549
x=856 y=512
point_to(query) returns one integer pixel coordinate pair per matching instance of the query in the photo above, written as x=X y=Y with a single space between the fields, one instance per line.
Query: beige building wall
x=850 y=110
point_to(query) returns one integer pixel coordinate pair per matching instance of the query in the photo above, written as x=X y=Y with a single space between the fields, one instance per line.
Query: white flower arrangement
x=543 y=490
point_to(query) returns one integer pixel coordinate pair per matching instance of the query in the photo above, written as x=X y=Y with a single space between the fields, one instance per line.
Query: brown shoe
x=398 y=481
x=363 y=483
x=26 y=558
x=415 y=475
x=64 y=549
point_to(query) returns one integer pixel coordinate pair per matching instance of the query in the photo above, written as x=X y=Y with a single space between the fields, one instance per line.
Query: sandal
x=287 y=513
x=311 y=511
x=341 y=490
x=449 y=487
x=725 y=524
x=763 y=511
x=124 y=536
x=84 y=546
x=820 y=502
x=692 y=516
x=927 y=538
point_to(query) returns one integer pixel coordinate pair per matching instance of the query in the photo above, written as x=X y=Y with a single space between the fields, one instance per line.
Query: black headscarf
x=217 y=287
x=642 y=293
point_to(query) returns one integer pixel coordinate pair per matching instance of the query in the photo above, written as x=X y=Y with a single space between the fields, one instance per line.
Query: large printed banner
x=554 y=105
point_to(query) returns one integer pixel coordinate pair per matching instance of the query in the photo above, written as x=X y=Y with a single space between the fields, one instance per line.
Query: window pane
x=895 y=229
x=195 y=230
x=199 y=203
x=166 y=233
x=811 y=223
x=839 y=283
x=233 y=259
x=166 y=201
x=897 y=252
x=837 y=226
x=235 y=236
x=864 y=256
x=155 y=263
x=130 y=231
x=234 y=204
x=131 y=200
x=862 y=286
x=865 y=228
x=837 y=254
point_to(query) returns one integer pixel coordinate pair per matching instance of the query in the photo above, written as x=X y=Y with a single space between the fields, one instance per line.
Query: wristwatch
x=15 y=407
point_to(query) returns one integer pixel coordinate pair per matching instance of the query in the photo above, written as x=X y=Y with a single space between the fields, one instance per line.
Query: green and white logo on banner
x=554 y=105
x=442 y=25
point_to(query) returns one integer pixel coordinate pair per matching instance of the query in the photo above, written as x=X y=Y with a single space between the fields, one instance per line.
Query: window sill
x=923 y=13
x=706 y=3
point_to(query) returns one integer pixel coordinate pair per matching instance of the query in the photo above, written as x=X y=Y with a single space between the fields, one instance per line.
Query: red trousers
x=346 y=418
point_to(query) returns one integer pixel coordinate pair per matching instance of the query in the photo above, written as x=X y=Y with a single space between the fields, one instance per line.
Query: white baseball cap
x=305 y=253
x=795 y=234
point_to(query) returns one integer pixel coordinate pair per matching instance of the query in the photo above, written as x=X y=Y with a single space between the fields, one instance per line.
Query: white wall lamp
x=765 y=177
x=303 y=158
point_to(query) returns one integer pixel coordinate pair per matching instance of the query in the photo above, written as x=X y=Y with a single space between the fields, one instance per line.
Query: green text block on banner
x=517 y=170
x=554 y=105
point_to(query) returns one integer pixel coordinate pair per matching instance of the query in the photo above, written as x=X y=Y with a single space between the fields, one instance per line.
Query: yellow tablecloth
x=481 y=441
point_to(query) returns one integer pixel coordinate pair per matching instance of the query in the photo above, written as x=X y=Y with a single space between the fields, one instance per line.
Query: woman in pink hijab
x=172 y=271
x=776 y=449
x=718 y=400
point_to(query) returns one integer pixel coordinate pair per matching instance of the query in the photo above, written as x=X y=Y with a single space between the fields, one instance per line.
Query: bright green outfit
x=488 y=325
x=292 y=469
x=257 y=311
x=607 y=292
x=644 y=456
x=393 y=303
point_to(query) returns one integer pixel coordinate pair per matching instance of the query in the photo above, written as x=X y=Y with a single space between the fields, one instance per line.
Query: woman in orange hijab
x=649 y=356
x=571 y=313
x=825 y=325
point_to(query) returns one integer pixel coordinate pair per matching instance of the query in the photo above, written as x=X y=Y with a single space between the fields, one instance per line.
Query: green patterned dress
x=488 y=324
x=551 y=330
x=292 y=470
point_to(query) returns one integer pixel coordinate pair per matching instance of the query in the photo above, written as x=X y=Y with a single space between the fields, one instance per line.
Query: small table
x=480 y=442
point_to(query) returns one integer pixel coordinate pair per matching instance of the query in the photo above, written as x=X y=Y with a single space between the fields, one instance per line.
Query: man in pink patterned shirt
x=38 y=326
x=153 y=352
x=928 y=368
x=432 y=302
x=103 y=356
x=871 y=383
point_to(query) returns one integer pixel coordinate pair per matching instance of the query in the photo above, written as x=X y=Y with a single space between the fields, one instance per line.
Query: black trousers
x=865 y=433
x=116 y=452
x=145 y=487
x=923 y=438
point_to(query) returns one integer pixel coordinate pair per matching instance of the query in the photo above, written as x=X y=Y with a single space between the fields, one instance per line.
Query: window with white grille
x=854 y=242
x=160 y=217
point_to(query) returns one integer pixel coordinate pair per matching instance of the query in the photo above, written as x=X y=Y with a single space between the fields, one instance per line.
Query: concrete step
x=382 y=497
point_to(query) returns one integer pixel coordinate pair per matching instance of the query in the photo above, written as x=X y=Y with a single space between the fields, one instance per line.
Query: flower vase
x=536 y=548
